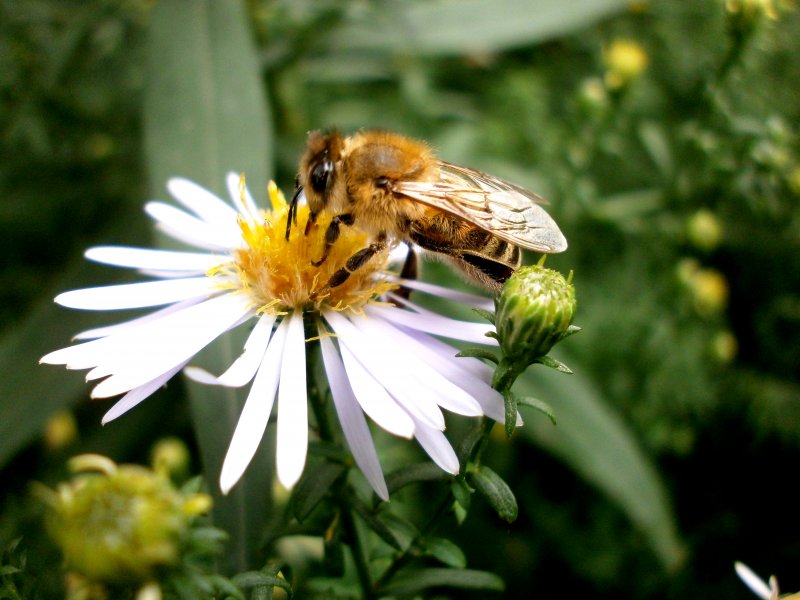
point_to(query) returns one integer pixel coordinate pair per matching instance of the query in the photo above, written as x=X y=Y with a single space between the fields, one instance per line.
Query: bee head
x=318 y=167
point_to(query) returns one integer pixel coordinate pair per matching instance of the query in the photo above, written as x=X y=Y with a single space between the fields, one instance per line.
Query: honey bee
x=395 y=189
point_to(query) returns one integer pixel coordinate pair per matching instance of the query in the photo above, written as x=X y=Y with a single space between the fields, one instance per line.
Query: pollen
x=280 y=275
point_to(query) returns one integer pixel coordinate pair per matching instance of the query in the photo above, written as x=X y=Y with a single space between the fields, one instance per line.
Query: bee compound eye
x=320 y=175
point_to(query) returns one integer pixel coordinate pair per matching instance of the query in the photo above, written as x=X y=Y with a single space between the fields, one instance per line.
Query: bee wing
x=504 y=209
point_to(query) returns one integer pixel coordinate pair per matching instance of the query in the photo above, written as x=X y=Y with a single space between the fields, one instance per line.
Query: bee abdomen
x=500 y=251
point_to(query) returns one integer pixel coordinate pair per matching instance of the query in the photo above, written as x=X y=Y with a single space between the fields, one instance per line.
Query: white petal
x=292 y=439
x=375 y=400
x=200 y=375
x=412 y=357
x=201 y=202
x=255 y=414
x=753 y=581
x=468 y=373
x=158 y=274
x=380 y=361
x=155 y=347
x=100 y=332
x=191 y=230
x=444 y=292
x=475 y=366
x=243 y=200
x=135 y=396
x=137 y=295
x=145 y=258
x=438 y=448
x=398 y=257
x=354 y=425
x=243 y=368
x=439 y=325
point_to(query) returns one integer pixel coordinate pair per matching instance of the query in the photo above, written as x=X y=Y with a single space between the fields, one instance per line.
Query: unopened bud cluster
x=533 y=312
x=120 y=523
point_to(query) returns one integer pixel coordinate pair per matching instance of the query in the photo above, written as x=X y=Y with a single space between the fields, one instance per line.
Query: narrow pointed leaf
x=312 y=488
x=419 y=580
x=418 y=472
x=598 y=445
x=479 y=353
x=539 y=405
x=444 y=27
x=203 y=118
x=496 y=491
x=446 y=552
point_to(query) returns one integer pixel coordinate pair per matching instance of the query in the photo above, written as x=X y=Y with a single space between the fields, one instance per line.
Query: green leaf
x=426 y=471
x=571 y=330
x=447 y=27
x=487 y=315
x=461 y=492
x=377 y=525
x=31 y=392
x=225 y=586
x=539 y=405
x=205 y=107
x=252 y=579
x=479 y=353
x=403 y=530
x=549 y=361
x=597 y=444
x=510 y=406
x=496 y=491
x=445 y=551
x=206 y=113
x=415 y=581
x=655 y=141
x=312 y=488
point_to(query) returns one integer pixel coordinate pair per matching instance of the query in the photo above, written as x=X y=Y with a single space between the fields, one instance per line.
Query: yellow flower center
x=280 y=274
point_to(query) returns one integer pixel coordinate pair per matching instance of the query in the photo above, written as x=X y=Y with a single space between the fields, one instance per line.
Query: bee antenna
x=292 y=216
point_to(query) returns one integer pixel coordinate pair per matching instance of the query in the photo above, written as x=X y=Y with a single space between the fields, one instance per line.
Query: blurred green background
x=664 y=135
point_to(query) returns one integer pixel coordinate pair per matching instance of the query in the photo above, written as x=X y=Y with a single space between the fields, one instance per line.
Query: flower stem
x=410 y=552
x=342 y=489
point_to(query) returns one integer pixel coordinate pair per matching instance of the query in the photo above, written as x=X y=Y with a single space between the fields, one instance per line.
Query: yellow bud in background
x=61 y=430
x=724 y=347
x=170 y=457
x=625 y=60
x=704 y=230
x=794 y=180
x=752 y=10
x=709 y=291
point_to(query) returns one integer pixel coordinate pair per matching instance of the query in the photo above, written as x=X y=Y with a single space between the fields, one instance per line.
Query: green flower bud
x=118 y=524
x=533 y=312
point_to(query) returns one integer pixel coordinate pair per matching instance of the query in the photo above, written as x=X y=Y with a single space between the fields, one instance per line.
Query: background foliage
x=676 y=182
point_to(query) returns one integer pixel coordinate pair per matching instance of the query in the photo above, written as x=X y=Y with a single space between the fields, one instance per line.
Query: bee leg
x=356 y=261
x=332 y=234
x=312 y=219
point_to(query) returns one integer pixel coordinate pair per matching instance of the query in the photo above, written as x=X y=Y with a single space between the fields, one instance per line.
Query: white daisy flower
x=378 y=348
